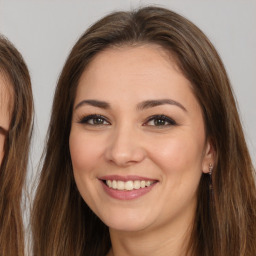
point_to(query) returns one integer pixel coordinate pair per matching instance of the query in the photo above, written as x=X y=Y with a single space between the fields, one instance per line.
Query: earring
x=210 y=169
x=210 y=175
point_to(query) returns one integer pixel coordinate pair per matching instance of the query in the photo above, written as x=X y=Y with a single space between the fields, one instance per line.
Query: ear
x=208 y=157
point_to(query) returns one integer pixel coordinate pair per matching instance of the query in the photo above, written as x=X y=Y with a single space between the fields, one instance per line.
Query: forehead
x=131 y=69
x=125 y=56
x=127 y=64
x=5 y=101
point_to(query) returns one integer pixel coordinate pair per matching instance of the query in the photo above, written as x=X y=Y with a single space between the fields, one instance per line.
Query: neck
x=163 y=241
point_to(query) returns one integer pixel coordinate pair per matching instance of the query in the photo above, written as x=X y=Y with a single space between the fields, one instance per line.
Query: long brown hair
x=225 y=218
x=14 y=164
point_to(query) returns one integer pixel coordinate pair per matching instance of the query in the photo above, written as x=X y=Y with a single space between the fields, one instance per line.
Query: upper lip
x=125 y=178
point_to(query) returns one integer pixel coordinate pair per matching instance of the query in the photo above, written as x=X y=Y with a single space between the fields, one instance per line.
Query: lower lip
x=127 y=194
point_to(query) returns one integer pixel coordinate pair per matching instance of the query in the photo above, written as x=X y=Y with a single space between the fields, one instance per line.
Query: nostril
x=125 y=156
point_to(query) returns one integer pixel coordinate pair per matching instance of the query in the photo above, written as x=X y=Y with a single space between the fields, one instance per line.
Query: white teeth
x=147 y=183
x=136 y=184
x=109 y=183
x=114 y=184
x=128 y=185
x=120 y=185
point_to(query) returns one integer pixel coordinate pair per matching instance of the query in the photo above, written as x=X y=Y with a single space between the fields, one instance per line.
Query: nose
x=125 y=147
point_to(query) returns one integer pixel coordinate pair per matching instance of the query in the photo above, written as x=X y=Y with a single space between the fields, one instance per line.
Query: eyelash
x=161 y=118
x=164 y=120
x=85 y=120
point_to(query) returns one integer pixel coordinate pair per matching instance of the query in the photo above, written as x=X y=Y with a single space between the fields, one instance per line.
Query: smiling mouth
x=128 y=185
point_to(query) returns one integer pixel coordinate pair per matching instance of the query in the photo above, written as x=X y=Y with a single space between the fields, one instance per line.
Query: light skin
x=149 y=125
x=4 y=113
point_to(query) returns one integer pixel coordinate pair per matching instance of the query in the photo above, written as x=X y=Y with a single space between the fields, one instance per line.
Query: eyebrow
x=94 y=103
x=141 y=106
x=154 y=103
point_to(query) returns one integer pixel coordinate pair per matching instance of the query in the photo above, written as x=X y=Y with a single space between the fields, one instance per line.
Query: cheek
x=179 y=155
x=180 y=162
x=85 y=152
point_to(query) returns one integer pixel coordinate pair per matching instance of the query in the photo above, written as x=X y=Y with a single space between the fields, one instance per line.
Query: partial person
x=16 y=114
x=145 y=153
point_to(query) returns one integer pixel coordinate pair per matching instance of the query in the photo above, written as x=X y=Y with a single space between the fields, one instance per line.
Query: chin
x=127 y=226
x=126 y=222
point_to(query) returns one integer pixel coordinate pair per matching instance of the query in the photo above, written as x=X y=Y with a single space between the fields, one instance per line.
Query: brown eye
x=94 y=120
x=160 y=120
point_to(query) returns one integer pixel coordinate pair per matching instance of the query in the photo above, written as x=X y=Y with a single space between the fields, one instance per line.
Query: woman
x=145 y=152
x=15 y=132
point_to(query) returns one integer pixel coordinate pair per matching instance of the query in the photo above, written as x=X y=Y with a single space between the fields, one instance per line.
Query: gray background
x=45 y=31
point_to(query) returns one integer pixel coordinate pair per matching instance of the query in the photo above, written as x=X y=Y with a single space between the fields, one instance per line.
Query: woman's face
x=4 y=113
x=137 y=140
